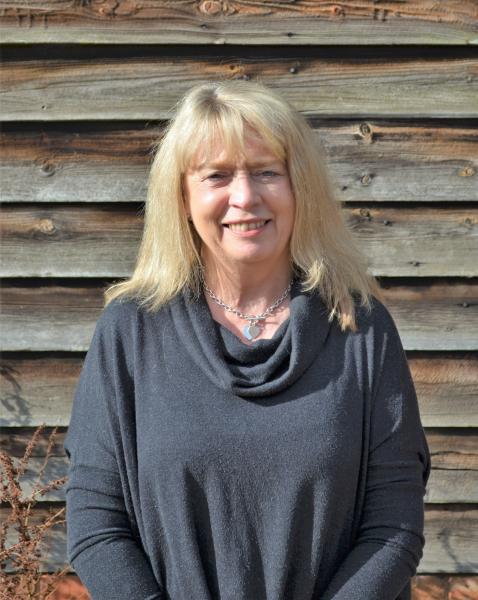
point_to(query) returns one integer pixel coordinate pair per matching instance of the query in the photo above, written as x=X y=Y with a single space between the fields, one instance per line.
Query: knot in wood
x=366 y=132
x=46 y=226
x=210 y=7
x=387 y=222
x=47 y=169
x=366 y=179
x=467 y=172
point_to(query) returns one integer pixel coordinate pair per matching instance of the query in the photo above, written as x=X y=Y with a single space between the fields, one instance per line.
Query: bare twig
x=20 y=562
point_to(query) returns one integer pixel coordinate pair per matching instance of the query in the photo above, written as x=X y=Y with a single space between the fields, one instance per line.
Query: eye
x=216 y=176
x=266 y=174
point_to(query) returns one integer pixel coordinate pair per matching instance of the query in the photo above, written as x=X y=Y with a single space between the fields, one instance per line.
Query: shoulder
x=118 y=310
x=127 y=318
x=380 y=338
x=375 y=318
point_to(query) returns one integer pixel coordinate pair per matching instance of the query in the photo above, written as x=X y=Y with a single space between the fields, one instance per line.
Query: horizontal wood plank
x=148 y=87
x=453 y=478
x=432 y=315
x=258 y=21
x=424 y=587
x=441 y=587
x=450 y=540
x=39 y=389
x=102 y=241
x=369 y=161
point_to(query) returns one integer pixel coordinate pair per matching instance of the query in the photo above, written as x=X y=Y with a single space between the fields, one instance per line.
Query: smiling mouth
x=246 y=226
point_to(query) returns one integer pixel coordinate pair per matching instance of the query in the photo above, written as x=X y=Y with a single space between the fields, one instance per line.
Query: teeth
x=246 y=226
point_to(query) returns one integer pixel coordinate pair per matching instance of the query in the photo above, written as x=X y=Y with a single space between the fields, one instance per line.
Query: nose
x=242 y=191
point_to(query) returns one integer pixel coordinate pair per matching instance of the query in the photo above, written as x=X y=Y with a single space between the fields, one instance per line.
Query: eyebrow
x=223 y=165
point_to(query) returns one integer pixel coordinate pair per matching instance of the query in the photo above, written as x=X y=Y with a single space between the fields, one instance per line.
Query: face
x=243 y=209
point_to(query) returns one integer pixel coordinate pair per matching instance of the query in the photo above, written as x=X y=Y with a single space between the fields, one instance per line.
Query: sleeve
x=101 y=546
x=390 y=540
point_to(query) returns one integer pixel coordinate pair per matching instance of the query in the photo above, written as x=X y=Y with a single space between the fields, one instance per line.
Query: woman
x=245 y=426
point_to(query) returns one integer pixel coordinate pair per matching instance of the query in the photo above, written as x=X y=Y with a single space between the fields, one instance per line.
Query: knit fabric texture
x=202 y=468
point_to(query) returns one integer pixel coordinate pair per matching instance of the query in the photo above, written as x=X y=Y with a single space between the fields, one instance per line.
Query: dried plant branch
x=20 y=562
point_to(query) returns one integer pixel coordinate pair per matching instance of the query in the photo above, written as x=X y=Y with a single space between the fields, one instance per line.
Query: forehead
x=217 y=153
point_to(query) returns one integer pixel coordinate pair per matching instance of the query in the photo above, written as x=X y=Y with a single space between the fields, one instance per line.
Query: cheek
x=206 y=206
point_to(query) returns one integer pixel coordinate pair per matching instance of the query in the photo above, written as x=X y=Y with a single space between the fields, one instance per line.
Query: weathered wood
x=447 y=388
x=102 y=241
x=424 y=587
x=36 y=390
x=257 y=21
x=453 y=478
x=450 y=535
x=148 y=87
x=39 y=390
x=436 y=316
x=405 y=242
x=432 y=315
x=370 y=160
x=441 y=587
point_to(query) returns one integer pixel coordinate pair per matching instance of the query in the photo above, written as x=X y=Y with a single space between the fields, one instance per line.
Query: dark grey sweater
x=205 y=469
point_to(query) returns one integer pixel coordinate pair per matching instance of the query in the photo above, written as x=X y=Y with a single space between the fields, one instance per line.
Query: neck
x=250 y=290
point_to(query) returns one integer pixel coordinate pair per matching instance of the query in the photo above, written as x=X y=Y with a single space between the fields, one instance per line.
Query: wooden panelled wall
x=391 y=88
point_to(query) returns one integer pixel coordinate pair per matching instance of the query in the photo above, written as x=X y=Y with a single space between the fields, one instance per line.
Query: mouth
x=250 y=226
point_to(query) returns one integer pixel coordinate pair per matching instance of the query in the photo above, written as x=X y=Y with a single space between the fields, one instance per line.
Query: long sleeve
x=101 y=545
x=390 y=541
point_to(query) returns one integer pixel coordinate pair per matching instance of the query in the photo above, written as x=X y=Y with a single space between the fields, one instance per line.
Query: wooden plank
x=148 y=87
x=454 y=459
x=453 y=478
x=417 y=241
x=424 y=587
x=450 y=540
x=447 y=388
x=102 y=241
x=441 y=315
x=370 y=160
x=432 y=315
x=259 y=21
x=39 y=389
x=439 y=587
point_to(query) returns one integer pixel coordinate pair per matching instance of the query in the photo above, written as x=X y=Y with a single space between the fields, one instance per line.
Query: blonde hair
x=323 y=251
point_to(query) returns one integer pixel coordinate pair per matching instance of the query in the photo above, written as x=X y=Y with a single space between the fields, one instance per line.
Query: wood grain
x=373 y=160
x=432 y=315
x=103 y=241
x=37 y=389
x=148 y=87
x=239 y=22
x=424 y=587
x=450 y=536
x=453 y=478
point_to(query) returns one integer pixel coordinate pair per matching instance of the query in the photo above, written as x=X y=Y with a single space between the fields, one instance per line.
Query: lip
x=246 y=221
x=251 y=232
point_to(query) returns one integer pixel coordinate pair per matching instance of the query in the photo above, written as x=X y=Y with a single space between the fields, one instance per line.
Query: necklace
x=252 y=330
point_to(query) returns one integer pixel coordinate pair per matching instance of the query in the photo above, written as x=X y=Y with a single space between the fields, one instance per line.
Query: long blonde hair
x=323 y=250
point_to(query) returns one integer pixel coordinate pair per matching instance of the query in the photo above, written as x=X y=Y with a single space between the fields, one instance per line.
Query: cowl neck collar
x=266 y=367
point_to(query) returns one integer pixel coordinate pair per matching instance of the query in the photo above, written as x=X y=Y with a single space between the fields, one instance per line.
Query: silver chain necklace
x=252 y=330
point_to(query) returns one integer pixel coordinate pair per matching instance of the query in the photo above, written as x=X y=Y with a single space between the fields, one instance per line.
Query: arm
x=100 y=543
x=390 y=541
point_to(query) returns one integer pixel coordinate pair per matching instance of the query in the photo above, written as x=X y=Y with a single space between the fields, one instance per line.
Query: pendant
x=251 y=331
